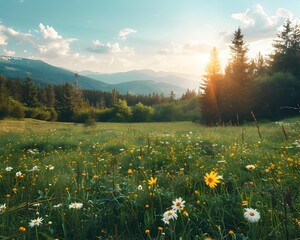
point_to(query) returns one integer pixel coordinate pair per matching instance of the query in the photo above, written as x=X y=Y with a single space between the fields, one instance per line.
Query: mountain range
x=135 y=82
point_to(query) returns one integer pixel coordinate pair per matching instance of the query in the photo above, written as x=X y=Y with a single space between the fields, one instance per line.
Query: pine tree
x=239 y=65
x=286 y=55
x=3 y=97
x=69 y=102
x=209 y=100
x=30 y=93
x=50 y=96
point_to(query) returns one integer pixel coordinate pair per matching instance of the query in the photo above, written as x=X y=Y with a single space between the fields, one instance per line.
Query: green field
x=126 y=176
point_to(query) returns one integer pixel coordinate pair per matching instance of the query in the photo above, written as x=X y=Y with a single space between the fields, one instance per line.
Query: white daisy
x=18 y=174
x=36 y=222
x=2 y=207
x=170 y=214
x=35 y=168
x=75 y=205
x=178 y=203
x=165 y=220
x=250 y=167
x=8 y=169
x=252 y=215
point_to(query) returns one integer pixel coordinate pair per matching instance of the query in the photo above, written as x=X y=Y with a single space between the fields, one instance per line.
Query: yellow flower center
x=210 y=180
x=178 y=204
x=251 y=214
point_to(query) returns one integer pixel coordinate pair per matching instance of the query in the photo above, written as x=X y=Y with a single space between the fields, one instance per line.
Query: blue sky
x=121 y=35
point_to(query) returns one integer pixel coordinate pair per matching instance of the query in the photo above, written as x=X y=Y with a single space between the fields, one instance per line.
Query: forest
x=267 y=87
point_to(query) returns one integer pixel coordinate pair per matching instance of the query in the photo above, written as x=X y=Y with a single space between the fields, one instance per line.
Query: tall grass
x=107 y=168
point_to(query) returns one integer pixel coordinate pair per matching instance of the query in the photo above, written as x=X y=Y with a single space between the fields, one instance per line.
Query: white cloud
x=189 y=47
x=3 y=41
x=49 y=32
x=109 y=48
x=257 y=24
x=125 y=32
x=9 y=53
x=53 y=44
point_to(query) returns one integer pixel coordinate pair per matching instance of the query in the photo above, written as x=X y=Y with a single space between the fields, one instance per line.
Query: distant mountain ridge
x=135 y=82
x=181 y=80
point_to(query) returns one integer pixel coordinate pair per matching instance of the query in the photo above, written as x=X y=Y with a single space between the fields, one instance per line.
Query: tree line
x=267 y=87
x=67 y=102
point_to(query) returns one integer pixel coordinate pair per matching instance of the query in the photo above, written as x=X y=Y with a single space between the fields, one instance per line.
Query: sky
x=108 y=36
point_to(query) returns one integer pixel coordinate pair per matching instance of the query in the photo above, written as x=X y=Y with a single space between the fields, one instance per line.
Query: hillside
x=39 y=71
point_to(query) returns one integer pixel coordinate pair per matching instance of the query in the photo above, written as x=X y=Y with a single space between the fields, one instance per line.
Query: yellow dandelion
x=211 y=179
x=152 y=181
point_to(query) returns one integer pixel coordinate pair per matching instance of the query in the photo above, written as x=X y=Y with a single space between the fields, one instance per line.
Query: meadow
x=178 y=180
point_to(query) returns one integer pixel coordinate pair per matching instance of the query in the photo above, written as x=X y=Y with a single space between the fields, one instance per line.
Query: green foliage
x=121 y=112
x=16 y=109
x=142 y=113
x=278 y=92
x=29 y=93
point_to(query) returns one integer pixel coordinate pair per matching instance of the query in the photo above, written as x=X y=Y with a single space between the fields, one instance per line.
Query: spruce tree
x=209 y=99
x=3 y=97
x=239 y=62
x=30 y=93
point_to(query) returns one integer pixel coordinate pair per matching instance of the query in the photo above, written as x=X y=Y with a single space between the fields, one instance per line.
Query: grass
x=107 y=168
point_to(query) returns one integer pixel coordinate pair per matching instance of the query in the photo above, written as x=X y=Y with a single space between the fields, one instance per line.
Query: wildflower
x=75 y=205
x=252 y=215
x=185 y=213
x=8 y=169
x=165 y=220
x=208 y=238
x=152 y=181
x=35 y=168
x=140 y=187
x=170 y=214
x=129 y=171
x=57 y=206
x=22 y=229
x=18 y=174
x=50 y=167
x=178 y=203
x=160 y=228
x=212 y=179
x=244 y=203
x=250 y=167
x=2 y=207
x=36 y=222
x=147 y=231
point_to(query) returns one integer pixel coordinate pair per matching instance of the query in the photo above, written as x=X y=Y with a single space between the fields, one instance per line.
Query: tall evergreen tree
x=239 y=63
x=3 y=97
x=235 y=92
x=30 y=93
x=286 y=55
x=209 y=100
x=68 y=103
x=50 y=96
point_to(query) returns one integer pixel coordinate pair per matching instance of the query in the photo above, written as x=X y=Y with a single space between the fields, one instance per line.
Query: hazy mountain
x=149 y=86
x=40 y=71
x=181 y=80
